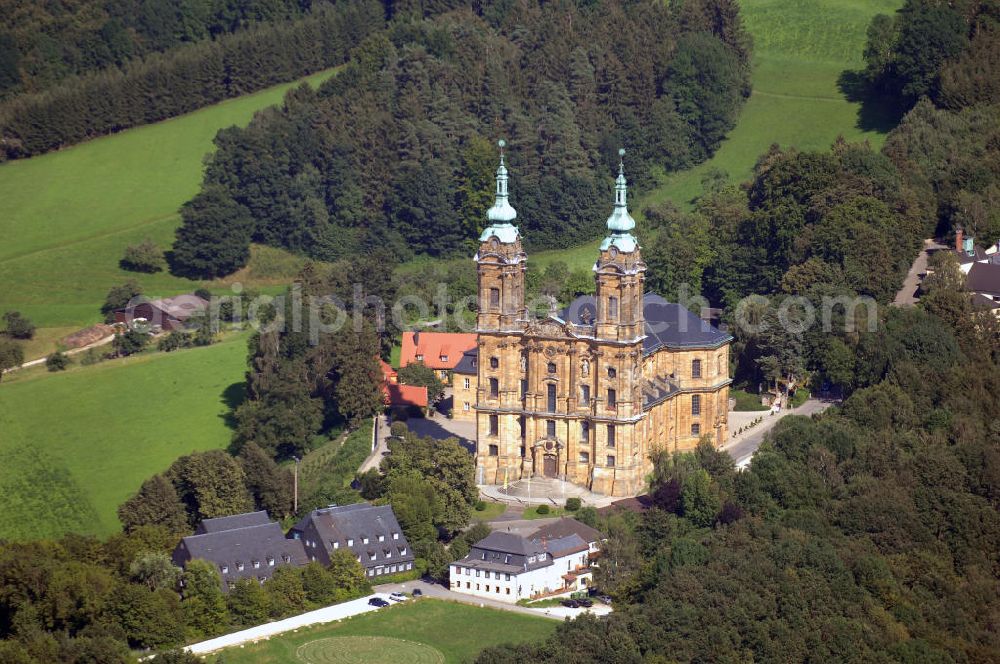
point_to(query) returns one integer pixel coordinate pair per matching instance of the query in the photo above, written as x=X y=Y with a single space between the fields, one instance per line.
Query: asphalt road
x=743 y=448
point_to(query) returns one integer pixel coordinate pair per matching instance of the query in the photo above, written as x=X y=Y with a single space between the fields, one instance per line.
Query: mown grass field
x=69 y=215
x=458 y=631
x=801 y=47
x=76 y=444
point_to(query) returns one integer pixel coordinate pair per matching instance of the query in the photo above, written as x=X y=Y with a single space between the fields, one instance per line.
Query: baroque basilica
x=587 y=394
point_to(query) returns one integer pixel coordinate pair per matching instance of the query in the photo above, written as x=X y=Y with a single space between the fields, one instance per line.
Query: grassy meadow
x=457 y=631
x=69 y=215
x=76 y=444
x=801 y=48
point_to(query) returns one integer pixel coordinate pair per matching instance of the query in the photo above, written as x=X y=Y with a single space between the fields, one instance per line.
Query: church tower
x=620 y=273
x=501 y=322
x=501 y=264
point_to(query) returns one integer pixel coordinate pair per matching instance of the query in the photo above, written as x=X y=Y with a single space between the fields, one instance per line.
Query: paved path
x=523 y=527
x=32 y=363
x=907 y=295
x=267 y=630
x=743 y=447
x=438 y=591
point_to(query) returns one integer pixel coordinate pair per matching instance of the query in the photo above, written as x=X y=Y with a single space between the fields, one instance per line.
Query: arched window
x=696 y=368
x=696 y=404
x=612 y=372
x=494 y=363
x=612 y=308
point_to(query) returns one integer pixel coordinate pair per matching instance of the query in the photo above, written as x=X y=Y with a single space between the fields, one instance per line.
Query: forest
x=397 y=151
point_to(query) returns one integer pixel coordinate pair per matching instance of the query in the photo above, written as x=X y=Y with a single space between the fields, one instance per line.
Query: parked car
x=604 y=598
x=417 y=592
x=570 y=604
x=377 y=601
x=397 y=597
x=584 y=602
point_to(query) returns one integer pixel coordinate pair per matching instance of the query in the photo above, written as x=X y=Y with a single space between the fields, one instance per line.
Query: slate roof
x=980 y=301
x=563 y=546
x=230 y=522
x=984 y=278
x=506 y=552
x=242 y=552
x=567 y=526
x=668 y=324
x=353 y=523
x=467 y=365
x=979 y=254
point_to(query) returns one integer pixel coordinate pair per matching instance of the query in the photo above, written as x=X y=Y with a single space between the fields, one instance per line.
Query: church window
x=467 y=383
x=612 y=308
x=550 y=393
x=612 y=372
x=494 y=450
x=494 y=388
x=494 y=363
x=584 y=457
x=612 y=399
x=552 y=367
x=611 y=461
x=585 y=394
x=550 y=428
x=611 y=435
x=696 y=404
x=695 y=429
x=494 y=425
x=524 y=387
x=584 y=432
x=494 y=298
x=696 y=368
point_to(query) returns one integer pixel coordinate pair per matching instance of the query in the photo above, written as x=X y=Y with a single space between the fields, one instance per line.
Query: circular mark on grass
x=367 y=650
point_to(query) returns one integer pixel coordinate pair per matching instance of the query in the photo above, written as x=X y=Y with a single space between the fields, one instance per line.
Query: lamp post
x=295 y=484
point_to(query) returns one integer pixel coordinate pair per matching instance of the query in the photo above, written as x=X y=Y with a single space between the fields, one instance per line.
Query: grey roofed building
x=370 y=532
x=512 y=554
x=984 y=278
x=565 y=527
x=230 y=522
x=667 y=324
x=467 y=365
x=241 y=547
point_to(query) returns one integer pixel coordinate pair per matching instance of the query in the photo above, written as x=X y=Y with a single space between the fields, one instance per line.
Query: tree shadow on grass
x=878 y=112
x=233 y=396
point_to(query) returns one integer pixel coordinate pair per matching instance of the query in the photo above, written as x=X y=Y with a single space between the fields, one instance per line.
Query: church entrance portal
x=549 y=466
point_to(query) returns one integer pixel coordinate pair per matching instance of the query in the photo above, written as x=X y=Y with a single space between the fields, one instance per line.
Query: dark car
x=417 y=592
x=604 y=598
x=570 y=604
x=584 y=602
x=378 y=601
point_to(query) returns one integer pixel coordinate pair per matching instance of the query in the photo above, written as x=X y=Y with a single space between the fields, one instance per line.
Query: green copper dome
x=502 y=213
x=620 y=222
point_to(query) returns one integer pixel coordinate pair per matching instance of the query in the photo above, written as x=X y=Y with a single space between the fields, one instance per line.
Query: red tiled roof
x=388 y=373
x=437 y=350
x=405 y=395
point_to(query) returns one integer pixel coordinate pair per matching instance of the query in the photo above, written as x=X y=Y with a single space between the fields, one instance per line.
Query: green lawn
x=77 y=444
x=801 y=47
x=746 y=401
x=533 y=513
x=491 y=511
x=69 y=215
x=458 y=631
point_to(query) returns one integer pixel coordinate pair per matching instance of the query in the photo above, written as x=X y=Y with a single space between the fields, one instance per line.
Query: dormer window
x=225 y=569
x=420 y=358
x=270 y=561
x=286 y=558
x=531 y=559
x=388 y=553
x=336 y=545
x=350 y=542
x=364 y=540
x=381 y=538
x=371 y=556
x=402 y=550
x=395 y=536
x=484 y=556
x=256 y=564
x=239 y=566
x=444 y=358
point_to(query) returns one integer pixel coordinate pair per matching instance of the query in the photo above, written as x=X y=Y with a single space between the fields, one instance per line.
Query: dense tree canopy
x=392 y=153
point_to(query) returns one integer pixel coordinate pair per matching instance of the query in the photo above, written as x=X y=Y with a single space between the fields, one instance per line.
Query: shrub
x=173 y=341
x=57 y=361
x=480 y=506
x=542 y=509
x=143 y=257
x=18 y=326
x=573 y=504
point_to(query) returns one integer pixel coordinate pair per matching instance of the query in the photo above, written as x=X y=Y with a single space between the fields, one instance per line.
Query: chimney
x=416 y=338
x=959 y=237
